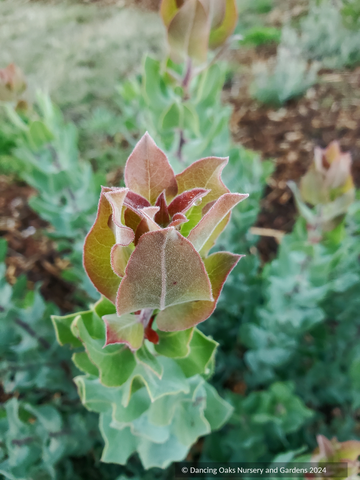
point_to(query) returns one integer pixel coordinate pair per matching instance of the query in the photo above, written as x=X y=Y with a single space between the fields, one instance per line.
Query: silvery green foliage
x=260 y=418
x=30 y=357
x=36 y=432
x=289 y=77
x=36 y=438
x=324 y=37
x=158 y=103
x=67 y=187
x=159 y=403
x=299 y=321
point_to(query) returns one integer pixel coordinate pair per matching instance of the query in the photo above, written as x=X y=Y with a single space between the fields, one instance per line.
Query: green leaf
x=124 y=329
x=82 y=361
x=202 y=351
x=161 y=412
x=95 y=396
x=119 y=444
x=139 y=403
x=146 y=358
x=39 y=134
x=115 y=363
x=173 y=380
x=174 y=344
x=217 y=410
x=172 y=117
x=104 y=307
x=191 y=119
x=63 y=331
x=189 y=421
x=153 y=85
x=161 y=454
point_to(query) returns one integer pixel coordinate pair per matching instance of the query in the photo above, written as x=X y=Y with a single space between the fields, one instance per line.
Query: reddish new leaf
x=162 y=217
x=184 y=316
x=186 y=200
x=97 y=249
x=148 y=172
x=123 y=235
x=205 y=173
x=201 y=233
x=178 y=219
x=147 y=223
x=135 y=201
x=163 y=270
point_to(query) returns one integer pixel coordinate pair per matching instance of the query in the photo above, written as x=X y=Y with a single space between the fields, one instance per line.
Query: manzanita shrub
x=144 y=360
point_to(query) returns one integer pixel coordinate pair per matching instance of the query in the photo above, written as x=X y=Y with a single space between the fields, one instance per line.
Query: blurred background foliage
x=288 y=319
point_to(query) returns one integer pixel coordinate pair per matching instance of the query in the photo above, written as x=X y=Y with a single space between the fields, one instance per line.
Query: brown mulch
x=30 y=252
x=329 y=111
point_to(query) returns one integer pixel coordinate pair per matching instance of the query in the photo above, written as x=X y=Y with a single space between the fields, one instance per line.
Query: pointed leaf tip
x=204 y=173
x=181 y=317
x=200 y=234
x=124 y=329
x=148 y=172
x=183 y=202
x=123 y=235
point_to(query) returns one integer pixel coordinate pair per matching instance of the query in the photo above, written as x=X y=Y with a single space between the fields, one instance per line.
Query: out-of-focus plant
x=37 y=431
x=46 y=149
x=351 y=13
x=333 y=451
x=260 y=423
x=328 y=186
x=12 y=83
x=289 y=78
x=261 y=35
x=324 y=37
x=148 y=254
x=185 y=125
x=193 y=26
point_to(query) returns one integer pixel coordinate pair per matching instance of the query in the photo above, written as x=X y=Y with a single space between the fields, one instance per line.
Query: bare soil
x=329 y=111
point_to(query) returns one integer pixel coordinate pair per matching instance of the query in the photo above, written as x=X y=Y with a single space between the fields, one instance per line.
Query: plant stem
x=187 y=78
x=181 y=144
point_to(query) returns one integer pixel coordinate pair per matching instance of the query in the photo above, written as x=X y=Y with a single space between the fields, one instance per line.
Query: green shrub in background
x=41 y=424
x=261 y=36
x=324 y=37
x=289 y=78
x=351 y=13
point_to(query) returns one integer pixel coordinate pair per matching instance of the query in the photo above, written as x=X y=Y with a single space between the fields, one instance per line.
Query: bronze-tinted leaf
x=97 y=249
x=178 y=219
x=201 y=233
x=184 y=316
x=186 y=200
x=163 y=270
x=204 y=173
x=162 y=217
x=123 y=235
x=148 y=172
